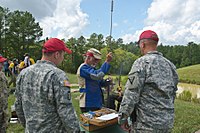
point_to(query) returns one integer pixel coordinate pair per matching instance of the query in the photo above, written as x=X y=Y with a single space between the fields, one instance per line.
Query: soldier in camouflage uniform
x=150 y=90
x=43 y=100
x=3 y=98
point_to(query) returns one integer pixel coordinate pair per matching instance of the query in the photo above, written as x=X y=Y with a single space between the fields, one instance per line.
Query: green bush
x=186 y=96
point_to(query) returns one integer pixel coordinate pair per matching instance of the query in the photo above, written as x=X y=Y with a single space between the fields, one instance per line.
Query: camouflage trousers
x=151 y=131
x=144 y=129
x=3 y=130
x=2 y=124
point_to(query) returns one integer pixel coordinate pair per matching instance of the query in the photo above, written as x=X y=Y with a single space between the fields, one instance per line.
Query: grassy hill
x=190 y=74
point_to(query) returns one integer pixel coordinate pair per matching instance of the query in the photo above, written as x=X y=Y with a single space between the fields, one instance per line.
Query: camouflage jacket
x=3 y=101
x=150 y=91
x=43 y=101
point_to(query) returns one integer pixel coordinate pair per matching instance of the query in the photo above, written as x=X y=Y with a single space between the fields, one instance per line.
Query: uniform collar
x=154 y=52
x=46 y=62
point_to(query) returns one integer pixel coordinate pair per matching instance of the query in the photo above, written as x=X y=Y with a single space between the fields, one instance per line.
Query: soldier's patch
x=131 y=79
x=66 y=83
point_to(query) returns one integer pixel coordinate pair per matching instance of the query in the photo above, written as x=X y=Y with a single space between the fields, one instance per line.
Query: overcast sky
x=175 y=21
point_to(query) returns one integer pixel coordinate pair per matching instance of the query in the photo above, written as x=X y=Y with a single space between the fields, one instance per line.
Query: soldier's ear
x=56 y=55
x=142 y=45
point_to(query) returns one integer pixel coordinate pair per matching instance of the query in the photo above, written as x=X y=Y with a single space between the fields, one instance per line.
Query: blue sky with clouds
x=175 y=21
x=128 y=16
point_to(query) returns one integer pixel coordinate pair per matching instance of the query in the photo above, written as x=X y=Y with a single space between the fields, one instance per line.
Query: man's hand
x=126 y=126
x=122 y=118
x=109 y=57
x=123 y=122
x=119 y=93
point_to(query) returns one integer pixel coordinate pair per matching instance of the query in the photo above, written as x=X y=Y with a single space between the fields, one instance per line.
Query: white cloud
x=58 y=18
x=39 y=8
x=131 y=37
x=67 y=20
x=175 y=21
x=115 y=24
x=125 y=21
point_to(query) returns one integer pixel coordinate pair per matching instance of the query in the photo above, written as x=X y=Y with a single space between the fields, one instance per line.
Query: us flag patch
x=66 y=83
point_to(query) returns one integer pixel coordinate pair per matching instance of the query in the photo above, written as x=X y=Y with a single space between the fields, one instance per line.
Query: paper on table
x=108 y=116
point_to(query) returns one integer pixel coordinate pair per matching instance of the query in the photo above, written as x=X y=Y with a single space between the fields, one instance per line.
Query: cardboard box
x=92 y=124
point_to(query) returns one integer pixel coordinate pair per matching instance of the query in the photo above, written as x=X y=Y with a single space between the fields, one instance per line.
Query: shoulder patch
x=131 y=79
x=66 y=83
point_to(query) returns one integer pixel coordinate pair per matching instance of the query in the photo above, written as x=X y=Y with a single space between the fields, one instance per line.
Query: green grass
x=75 y=102
x=72 y=78
x=15 y=127
x=190 y=74
x=187 y=117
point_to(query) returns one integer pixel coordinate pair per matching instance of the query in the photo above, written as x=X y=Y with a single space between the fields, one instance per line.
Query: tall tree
x=121 y=58
x=4 y=13
x=100 y=41
x=95 y=41
x=23 y=32
x=110 y=42
x=132 y=47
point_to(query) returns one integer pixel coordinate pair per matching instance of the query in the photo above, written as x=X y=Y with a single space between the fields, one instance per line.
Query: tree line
x=20 y=33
